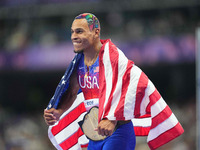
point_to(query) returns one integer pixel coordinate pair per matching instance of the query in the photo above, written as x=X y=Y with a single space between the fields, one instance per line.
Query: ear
x=97 y=32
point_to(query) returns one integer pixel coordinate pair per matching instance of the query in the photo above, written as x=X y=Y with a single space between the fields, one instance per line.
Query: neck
x=91 y=55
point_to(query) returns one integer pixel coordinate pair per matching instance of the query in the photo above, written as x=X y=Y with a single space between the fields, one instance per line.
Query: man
x=113 y=83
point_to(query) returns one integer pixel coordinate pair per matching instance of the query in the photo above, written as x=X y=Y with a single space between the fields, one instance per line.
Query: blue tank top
x=88 y=79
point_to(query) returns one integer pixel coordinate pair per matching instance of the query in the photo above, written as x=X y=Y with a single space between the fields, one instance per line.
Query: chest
x=88 y=79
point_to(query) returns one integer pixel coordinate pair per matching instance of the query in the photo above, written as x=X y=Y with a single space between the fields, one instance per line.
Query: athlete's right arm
x=52 y=115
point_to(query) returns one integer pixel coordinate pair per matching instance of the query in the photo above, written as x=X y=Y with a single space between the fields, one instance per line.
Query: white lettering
x=89 y=82
x=95 y=82
x=82 y=86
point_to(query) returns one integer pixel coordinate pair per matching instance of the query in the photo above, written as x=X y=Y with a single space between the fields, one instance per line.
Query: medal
x=85 y=75
x=87 y=69
x=90 y=123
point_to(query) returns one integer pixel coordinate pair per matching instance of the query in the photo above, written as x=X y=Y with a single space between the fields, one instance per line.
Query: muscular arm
x=52 y=115
x=70 y=95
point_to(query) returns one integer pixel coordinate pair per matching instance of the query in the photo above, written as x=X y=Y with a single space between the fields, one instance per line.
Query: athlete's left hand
x=106 y=127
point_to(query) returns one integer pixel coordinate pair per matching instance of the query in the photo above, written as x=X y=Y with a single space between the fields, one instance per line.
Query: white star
x=63 y=81
x=49 y=105
x=74 y=61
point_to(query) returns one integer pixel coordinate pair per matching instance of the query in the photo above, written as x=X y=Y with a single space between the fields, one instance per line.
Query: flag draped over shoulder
x=64 y=82
x=126 y=93
x=66 y=133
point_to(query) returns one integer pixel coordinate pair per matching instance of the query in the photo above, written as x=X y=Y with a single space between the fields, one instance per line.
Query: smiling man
x=120 y=89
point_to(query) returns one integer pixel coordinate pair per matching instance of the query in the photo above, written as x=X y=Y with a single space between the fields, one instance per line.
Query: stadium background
x=35 y=49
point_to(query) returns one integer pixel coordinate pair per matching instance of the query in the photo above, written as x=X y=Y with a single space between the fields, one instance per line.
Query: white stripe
x=53 y=140
x=76 y=147
x=158 y=107
x=162 y=127
x=122 y=65
x=69 y=130
x=143 y=122
x=108 y=74
x=78 y=101
x=151 y=88
x=145 y=101
x=131 y=93
x=82 y=140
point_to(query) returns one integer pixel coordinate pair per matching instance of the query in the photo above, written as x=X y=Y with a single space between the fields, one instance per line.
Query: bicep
x=73 y=84
x=71 y=93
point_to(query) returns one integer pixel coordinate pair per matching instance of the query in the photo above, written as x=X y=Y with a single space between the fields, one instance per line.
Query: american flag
x=126 y=93
x=66 y=133
x=96 y=69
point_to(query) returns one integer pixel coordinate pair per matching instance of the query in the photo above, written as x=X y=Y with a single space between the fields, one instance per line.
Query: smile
x=76 y=42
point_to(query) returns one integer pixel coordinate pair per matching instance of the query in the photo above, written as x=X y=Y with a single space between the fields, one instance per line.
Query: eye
x=79 y=31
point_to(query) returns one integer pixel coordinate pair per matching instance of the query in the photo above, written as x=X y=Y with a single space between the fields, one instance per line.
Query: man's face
x=81 y=36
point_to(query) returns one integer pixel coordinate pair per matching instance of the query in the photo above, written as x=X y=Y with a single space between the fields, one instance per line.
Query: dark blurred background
x=35 y=50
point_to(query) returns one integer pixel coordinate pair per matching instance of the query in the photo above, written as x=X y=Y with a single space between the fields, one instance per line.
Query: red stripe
x=84 y=146
x=102 y=81
x=72 y=140
x=119 y=112
x=154 y=97
x=145 y=116
x=142 y=85
x=114 y=59
x=166 y=137
x=162 y=116
x=141 y=131
x=68 y=119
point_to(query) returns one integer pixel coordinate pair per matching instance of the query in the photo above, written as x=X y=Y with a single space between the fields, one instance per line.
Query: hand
x=106 y=127
x=51 y=116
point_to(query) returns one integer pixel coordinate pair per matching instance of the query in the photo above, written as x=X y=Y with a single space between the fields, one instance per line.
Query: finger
x=48 y=115
x=106 y=133
x=49 y=118
x=49 y=110
x=102 y=132
x=110 y=133
x=99 y=130
x=52 y=122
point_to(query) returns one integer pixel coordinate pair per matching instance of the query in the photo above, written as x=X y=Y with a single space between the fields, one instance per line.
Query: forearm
x=52 y=115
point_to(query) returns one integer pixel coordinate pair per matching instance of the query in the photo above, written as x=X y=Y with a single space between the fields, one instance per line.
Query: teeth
x=76 y=42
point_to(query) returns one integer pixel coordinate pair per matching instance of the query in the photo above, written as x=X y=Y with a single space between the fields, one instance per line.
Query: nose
x=73 y=36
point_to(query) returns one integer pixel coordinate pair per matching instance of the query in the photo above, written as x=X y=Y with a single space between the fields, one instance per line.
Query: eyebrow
x=77 y=29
